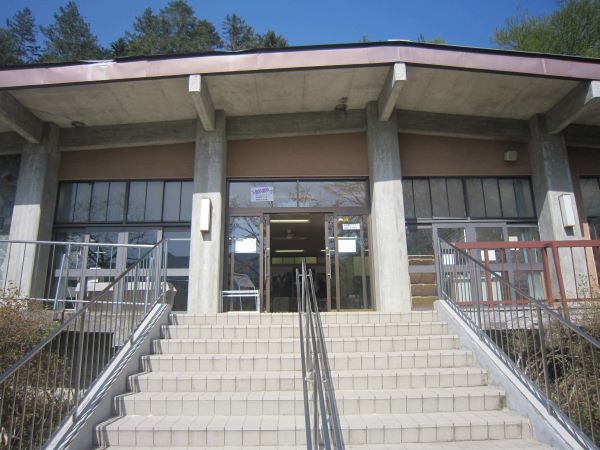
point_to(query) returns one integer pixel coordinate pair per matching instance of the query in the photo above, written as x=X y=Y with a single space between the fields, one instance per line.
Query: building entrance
x=266 y=250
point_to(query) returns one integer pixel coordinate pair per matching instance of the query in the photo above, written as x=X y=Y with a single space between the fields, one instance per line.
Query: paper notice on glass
x=347 y=246
x=351 y=226
x=247 y=245
x=261 y=194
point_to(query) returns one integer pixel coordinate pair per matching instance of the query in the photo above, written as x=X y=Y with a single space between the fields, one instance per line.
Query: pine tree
x=238 y=34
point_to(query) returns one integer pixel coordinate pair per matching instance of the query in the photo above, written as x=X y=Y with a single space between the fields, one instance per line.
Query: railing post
x=79 y=362
x=547 y=277
x=544 y=352
x=559 y=278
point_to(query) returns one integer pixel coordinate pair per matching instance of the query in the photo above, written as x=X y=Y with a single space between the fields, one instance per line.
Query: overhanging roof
x=438 y=79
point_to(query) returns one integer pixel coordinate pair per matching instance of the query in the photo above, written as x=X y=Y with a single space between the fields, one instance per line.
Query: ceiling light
x=289 y=220
x=289 y=251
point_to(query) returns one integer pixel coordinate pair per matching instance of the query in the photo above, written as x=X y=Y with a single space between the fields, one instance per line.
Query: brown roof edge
x=291 y=58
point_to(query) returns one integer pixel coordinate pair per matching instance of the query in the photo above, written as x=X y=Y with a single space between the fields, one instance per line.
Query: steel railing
x=65 y=274
x=556 y=359
x=45 y=387
x=322 y=420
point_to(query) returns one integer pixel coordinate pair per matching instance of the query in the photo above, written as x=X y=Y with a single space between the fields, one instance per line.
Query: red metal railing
x=566 y=271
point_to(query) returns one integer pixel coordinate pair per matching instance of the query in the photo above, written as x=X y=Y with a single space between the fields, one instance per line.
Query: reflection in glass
x=456 y=198
x=187 y=189
x=81 y=211
x=171 y=201
x=178 y=249
x=137 y=201
x=332 y=193
x=419 y=242
x=475 y=197
x=422 y=197
x=66 y=202
x=524 y=198
x=409 y=201
x=99 y=202
x=590 y=194
x=154 y=200
x=439 y=197
x=147 y=237
x=116 y=202
x=492 y=198
x=102 y=256
x=353 y=263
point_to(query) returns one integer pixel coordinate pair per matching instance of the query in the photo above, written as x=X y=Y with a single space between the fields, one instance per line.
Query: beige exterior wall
x=156 y=162
x=332 y=155
x=445 y=156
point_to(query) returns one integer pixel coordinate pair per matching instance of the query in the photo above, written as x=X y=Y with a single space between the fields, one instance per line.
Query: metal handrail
x=325 y=430
x=552 y=356
x=46 y=386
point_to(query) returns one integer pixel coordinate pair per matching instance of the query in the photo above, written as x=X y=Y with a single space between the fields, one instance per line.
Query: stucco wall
x=9 y=172
x=156 y=162
x=444 y=156
x=302 y=156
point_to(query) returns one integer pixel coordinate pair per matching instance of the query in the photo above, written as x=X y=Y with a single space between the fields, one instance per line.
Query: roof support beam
x=391 y=90
x=202 y=101
x=19 y=118
x=572 y=105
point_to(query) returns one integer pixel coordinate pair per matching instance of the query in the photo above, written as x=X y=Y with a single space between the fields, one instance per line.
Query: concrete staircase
x=234 y=381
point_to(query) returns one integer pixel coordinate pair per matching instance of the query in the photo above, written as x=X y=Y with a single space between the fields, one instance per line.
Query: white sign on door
x=261 y=194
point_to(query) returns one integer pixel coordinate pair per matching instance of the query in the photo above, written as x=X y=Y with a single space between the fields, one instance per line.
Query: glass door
x=348 y=265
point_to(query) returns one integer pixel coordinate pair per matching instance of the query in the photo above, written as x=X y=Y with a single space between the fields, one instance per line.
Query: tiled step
x=291 y=361
x=292 y=380
x=253 y=318
x=292 y=402
x=291 y=331
x=507 y=444
x=289 y=430
x=290 y=345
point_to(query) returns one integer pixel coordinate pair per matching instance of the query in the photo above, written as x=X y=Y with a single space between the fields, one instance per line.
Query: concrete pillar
x=33 y=213
x=206 y=247
x=388 y=250
x=551 y=179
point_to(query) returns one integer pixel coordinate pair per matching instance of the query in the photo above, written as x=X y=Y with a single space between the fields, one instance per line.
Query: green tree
x=573 y=29
x=18 y=43
x=271 y=40
x=237 y=34
x=175 y=29
x=70 y=38
x=435 y=40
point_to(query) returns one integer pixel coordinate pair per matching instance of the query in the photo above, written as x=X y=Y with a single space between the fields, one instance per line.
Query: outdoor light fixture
x=289 y=220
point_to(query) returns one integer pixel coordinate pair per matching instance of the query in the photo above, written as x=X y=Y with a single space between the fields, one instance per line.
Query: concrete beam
x=10 y=143
x=572 y=105
x=130 y=135
x=281 y=125
x=462 y=126
x=202 y=101
x=582 y=136
x=19 y=118
x=390 y=92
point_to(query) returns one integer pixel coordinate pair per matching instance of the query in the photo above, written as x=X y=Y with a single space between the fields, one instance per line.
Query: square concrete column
x=33 y=213
x=552 y=180
x=206 y=247
x=388 y=250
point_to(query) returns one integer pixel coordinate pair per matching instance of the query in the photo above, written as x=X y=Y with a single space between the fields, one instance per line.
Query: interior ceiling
x=309 y=236
x=428 y=89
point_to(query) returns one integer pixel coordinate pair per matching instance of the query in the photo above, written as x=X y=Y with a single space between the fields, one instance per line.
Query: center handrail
x=325 y=430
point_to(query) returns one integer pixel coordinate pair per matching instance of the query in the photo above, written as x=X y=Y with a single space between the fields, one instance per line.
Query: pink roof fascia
x=303 y=58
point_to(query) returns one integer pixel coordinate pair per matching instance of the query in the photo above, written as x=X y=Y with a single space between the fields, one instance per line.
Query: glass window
x=475 y=197
x=507 y=196
x=146 y=237
x=422 y=197
x=419 y=242
x=492 y=197
x=187 y=189
x=137 y=201
x=154 y=201
x=409 y=203
x=439 y=197
x=456 y=198
x=590 y=193
x=66 y=202
x=103 y=256
x=116 y=202
x=99 y=202
x=81 y=211
x=178 y=249
x=172 y=201
x=524 y=198
x=332 y=193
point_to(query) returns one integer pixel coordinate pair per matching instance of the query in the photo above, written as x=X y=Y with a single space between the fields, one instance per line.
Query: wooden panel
x=303 y=156
x=156 y=162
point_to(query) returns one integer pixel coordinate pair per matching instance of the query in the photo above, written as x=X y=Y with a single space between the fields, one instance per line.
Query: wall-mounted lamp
x=205 y=207
x=511 y=155
x=566 y=210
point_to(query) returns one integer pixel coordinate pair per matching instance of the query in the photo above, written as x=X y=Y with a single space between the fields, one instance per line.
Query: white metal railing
x=45 y=387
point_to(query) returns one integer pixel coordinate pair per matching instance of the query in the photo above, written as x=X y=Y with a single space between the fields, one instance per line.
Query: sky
x=310 y=22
